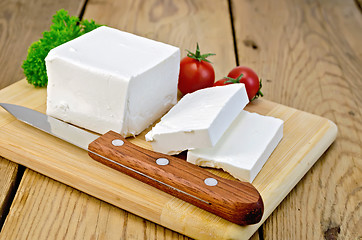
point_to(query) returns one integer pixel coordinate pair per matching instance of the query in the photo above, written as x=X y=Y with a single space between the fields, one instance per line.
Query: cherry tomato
x=195 y=72
x=244 y=75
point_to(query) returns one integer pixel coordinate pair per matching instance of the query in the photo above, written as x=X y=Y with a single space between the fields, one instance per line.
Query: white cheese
x=199 y=119
x=244 y=148
x=112 y=80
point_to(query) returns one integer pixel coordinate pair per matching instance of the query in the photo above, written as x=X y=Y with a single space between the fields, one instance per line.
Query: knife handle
x=236 y=201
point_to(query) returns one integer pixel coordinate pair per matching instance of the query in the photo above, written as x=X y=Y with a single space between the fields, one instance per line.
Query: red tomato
x=243 y=75
x=195 y=72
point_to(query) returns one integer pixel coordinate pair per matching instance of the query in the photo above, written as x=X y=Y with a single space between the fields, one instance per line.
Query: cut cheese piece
x=112 y=80
x=244 y=148
x=199 y=119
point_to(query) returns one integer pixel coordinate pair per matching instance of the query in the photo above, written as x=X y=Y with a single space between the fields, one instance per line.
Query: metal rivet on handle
x=162 y=161
x=210 y=181
x=117 y=142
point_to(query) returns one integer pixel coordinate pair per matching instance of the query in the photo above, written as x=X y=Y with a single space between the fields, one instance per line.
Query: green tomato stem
x=234 y=80
x=197 y=55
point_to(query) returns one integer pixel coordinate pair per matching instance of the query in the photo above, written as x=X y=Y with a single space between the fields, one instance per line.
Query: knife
x=236 y=201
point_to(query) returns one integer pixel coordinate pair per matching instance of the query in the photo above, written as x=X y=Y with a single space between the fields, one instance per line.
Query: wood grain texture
x=21 y=23
x=8 y=175
x=47 y=209
x=310 y=56
x=306 y=137
x=236 y=201
x=294 y=48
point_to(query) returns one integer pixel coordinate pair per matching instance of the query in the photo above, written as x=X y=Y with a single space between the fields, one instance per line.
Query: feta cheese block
x=199 y=119
x=112 y=80
x=244 y=148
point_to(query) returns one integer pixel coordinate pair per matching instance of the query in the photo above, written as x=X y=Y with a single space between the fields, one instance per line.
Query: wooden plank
x=47 y=209
x=306 y=137
x=8 y=175
x=310 y=56
x=21 y=23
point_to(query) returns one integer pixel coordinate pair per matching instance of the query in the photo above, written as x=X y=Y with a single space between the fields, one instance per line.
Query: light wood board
x=306 y=137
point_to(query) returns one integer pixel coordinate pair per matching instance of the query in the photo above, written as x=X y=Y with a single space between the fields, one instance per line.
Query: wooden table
x=309 y=55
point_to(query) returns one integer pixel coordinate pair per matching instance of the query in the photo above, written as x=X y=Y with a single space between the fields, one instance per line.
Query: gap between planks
x=12 y=174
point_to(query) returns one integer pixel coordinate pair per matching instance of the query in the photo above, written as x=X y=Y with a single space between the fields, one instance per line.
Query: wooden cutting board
x=306 y=137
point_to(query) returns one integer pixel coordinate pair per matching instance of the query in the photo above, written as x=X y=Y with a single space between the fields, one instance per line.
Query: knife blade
x=236 y=201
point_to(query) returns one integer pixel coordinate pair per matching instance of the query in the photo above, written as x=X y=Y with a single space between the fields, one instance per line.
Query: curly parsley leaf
x=63 y=29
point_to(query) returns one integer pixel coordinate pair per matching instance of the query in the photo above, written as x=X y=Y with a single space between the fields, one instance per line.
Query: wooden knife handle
x=236 y=201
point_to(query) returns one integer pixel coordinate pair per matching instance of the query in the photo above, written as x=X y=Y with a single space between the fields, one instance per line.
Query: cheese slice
x=199 y=119
x=112 y=80
x=244 y=148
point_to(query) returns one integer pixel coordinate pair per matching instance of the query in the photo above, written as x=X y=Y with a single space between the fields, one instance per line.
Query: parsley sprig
x=63 y=29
